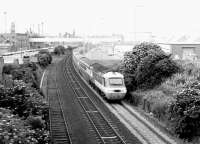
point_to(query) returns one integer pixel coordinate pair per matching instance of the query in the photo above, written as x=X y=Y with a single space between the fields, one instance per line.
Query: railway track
x=58 y=125
x=105 y=131
x=99 y=121
x=141 y=128
x=146 y=132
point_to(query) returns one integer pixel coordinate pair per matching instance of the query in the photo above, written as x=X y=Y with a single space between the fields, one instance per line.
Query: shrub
x=185 y=113
x=27 y=73
x=44 y=57
x=147 y=66
x=35 y=122
x=133 y=58
x=15 y=130
x=23 y=100
x=43 y=60
x=154 y=101
x=136 y=98
x=8 y=68
x=26 y=104
x=59 y=50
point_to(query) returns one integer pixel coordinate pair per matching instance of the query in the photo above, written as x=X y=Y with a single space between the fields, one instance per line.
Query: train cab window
x=116 y=82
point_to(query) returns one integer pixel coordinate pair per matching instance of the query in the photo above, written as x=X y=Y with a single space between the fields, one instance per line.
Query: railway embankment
x=140 y=125
x=23 y=110
x=158 y=96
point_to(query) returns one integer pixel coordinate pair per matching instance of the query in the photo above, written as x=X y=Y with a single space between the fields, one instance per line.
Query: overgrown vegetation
x=26 y=72
x=59 y=50
x=185 y=112
x=44 y=58
x=26 y=107
x=23 y=110
x=146 y=66
x=169 y=90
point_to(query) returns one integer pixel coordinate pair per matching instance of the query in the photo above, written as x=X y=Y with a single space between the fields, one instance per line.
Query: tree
x=59 y=50
x=147 y=66
x=44 y=58
x=44 y=51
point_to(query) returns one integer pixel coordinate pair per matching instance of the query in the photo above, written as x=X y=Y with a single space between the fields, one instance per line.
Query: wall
x=177 y=49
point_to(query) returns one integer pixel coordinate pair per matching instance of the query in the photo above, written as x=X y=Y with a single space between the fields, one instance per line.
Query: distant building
x=37 y=44
x=4 y=48
x=183 y=51
x=17 y=41
x=184 y=47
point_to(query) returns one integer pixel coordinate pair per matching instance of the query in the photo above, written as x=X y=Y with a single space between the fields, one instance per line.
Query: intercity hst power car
x=109 y=84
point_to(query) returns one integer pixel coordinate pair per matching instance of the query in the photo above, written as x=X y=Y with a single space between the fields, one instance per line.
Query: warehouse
x=183 y=48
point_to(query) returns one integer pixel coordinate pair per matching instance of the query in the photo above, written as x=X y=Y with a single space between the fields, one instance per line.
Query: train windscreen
x=115 y=81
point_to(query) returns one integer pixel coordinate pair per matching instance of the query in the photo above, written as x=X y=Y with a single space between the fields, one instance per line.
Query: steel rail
x=58 y=135
x=73 y=77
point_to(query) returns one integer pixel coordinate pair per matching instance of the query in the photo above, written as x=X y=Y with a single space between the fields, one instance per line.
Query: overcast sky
x=167 y=17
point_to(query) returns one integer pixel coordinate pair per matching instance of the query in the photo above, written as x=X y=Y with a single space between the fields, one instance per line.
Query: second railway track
x=58 y=125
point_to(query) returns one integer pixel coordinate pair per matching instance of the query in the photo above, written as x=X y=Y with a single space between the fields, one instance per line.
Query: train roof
x=95 y=65
x=99 y=67
x=113 y=74
x=86 y=60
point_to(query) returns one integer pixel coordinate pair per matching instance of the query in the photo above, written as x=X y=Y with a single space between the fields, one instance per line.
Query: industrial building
x=183 y=48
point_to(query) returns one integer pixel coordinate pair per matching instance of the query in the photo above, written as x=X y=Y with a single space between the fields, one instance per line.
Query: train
x=109 y=85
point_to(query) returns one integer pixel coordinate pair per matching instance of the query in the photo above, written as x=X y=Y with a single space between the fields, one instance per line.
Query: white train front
x=110 y=84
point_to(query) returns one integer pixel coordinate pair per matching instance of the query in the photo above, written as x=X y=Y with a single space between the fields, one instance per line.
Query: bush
x=14 y=130
x=154 y=69
x=27 y=73
x=44 y=58
x=8 y=68
x=59 y=50
x=23 y=100
x=154 y=101
x=185 y=112
x=188 y=75
x=35 y=122
x=147 y=66
x=133 y=58
x=24 y=116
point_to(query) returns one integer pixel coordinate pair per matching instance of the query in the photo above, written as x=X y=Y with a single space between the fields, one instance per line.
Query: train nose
x=116 y=96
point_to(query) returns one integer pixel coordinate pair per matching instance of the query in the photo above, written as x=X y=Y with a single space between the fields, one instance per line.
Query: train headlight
x=109 y=91
x=124 y=90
